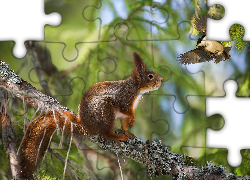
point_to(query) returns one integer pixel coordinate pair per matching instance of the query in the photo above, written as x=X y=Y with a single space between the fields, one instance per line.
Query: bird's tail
x=220 y=58
x=227 y=49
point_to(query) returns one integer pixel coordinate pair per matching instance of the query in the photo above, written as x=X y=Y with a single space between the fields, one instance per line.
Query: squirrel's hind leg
x=107 y=114
x=125 y=123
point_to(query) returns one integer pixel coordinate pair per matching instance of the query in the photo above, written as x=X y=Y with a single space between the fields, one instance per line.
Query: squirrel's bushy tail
x=39 y=134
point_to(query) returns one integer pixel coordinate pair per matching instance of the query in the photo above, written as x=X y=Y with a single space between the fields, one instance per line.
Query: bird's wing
x=197 y=55
x=200 y=23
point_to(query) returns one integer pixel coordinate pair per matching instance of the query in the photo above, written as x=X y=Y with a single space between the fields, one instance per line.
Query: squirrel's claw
x=123 y=138
x=131 y=135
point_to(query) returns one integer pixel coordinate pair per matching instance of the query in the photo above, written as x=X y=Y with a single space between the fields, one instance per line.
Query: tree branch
x=9 y=139
x=158 y=159
x=33 y=56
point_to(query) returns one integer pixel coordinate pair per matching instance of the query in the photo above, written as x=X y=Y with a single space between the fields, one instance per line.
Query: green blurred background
x=93 y=44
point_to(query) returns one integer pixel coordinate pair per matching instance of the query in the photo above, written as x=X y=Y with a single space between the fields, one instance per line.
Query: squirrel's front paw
x=131 y=124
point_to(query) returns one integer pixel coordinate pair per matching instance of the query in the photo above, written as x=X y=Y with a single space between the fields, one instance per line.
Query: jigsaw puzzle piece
x=186 y=129
x=107 y=167
x=182 y=82
x=111 y=50
x=235 y=111
x=149 y=116
x=192 y=85
x=20 y=28
x=152 y=14
x=73 y=23
x=100 y=68
x=219 y=29
x=156 y=16
x=200 y=152
x=202 y=155
x=102 y=164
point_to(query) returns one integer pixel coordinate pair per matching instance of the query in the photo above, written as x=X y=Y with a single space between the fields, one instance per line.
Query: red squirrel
x=100 y=106
x=104 y=102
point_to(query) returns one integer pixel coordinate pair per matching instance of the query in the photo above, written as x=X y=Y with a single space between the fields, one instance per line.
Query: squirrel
x=100 y=106
x=104 y=102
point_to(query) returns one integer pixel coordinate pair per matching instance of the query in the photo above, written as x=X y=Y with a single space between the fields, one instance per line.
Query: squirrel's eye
x=150 y=76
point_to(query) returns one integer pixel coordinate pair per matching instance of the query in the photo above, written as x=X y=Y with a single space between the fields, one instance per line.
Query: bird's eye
x=150 y=76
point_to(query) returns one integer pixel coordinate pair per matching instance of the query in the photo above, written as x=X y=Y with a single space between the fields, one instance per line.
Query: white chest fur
x=118 y=114
x=138 y=98
x=136 y=101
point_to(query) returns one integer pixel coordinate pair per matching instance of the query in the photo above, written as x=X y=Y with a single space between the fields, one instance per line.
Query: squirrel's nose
x=159 y=80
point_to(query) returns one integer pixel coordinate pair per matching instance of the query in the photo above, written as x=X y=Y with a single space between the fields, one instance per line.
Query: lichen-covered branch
x=25 y=91
x=158 y=159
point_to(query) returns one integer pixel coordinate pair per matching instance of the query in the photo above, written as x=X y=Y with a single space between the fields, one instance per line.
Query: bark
x=9 y=139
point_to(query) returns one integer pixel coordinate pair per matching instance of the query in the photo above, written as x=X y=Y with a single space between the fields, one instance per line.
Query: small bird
x=206 y=50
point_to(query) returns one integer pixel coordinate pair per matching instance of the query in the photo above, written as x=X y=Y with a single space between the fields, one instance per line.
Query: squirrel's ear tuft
x=138 y=62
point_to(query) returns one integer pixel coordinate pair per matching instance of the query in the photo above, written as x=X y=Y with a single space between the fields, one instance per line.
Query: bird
x=206 y=50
